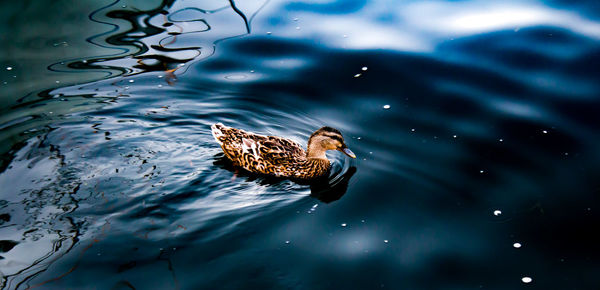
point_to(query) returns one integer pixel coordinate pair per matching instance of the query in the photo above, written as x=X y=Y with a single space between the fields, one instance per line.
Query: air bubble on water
x=287 y=242
x=344 y=224
x=497 y=212
x=385 y=241
x=160 y=86
x=84 y=61
x=526 y=279
x=412 y=130
x=160 y=76
x=9 y=68
x=358 y=138
x=501 y=140
x=364 y=68
x=517 y=245
x=357 y=75
x=269 y=32
x=58 y=82
x=544 y=131
x=481 y=171
x=252 y=71
x=131 y=81
x=386 y=107
x=454 y=136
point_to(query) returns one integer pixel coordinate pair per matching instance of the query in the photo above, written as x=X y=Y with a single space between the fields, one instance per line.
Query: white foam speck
x=357 y=75
x=287 y=242
x=545 y=132
x=364 y=68
x=517 y=245
x=385 y=241
x=526 y=279
x=9 y=68
x=131 y=81
x=497 y=212
x=344 y=224
x=386 y=106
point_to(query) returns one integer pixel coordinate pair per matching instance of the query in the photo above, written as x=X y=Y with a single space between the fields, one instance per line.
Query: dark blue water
x=476 y=126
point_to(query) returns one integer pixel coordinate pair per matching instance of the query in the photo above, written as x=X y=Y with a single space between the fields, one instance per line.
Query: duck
x=280 y=157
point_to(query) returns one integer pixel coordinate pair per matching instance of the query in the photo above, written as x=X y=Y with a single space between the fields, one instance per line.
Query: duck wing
x=276 y=149
x=256 y=152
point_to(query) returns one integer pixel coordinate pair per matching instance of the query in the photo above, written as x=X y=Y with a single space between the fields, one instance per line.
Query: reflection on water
x=475 y=125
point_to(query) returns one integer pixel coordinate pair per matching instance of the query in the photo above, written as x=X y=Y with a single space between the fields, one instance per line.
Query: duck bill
x=348 y=152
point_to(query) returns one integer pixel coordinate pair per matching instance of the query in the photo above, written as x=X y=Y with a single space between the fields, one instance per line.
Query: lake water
x=476 y=126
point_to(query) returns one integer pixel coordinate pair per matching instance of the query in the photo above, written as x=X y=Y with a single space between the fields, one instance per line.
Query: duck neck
x=315 y=151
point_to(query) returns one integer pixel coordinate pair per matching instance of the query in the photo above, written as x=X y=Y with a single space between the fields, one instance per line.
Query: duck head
x=324 y=139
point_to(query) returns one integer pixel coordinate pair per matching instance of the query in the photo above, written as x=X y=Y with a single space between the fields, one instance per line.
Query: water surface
x=475 y=125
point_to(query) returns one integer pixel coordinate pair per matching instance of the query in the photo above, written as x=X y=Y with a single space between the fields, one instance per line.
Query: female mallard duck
x=278 y=156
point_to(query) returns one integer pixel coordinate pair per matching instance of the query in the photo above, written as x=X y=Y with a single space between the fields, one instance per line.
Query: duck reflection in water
x=325 y=189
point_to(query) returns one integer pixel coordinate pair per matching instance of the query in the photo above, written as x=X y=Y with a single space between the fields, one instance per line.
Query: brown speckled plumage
x=278 y=156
